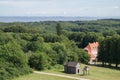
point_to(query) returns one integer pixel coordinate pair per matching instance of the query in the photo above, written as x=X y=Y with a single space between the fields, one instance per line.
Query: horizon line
x=67 y=16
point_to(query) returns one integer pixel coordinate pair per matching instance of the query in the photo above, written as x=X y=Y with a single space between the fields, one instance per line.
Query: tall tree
x=58 y=29
x=89 y=38
x=109 y=50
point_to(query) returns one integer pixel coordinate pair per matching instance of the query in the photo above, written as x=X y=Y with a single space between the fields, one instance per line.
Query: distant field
x=96 y=73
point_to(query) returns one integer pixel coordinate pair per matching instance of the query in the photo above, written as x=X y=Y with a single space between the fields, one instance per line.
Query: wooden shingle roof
x=72 y=64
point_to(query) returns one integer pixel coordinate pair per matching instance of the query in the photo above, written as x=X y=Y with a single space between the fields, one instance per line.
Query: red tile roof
x=90 y=47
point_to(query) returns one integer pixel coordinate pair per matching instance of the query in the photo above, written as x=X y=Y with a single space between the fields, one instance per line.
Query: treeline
x=101 y=26
x=109 y=51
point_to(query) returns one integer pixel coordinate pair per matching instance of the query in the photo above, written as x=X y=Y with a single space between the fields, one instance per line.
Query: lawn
x=96 y=73
x=100 y=73
x=35 y=76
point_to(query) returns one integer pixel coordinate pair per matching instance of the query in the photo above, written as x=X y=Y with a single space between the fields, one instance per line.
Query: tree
x=60 y=52
x=59 y=29
x=109 y=50
x=83 y=56
x=116 y=50
x=39 y=61
x=33 y=46
x=89 y=38
x=13 y=61
x=102 y=52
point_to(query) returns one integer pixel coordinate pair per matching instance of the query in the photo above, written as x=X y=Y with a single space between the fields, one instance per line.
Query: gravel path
x=59 y=75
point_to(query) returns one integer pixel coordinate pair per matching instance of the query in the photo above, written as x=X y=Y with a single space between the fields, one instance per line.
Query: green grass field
x=96 y=73
x=35 y=76
x=100 y=73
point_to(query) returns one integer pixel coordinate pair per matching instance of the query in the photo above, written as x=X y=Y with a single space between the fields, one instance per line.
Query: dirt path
x=59 y=75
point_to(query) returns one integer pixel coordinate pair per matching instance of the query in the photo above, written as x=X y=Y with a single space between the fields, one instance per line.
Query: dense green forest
x=43 y=45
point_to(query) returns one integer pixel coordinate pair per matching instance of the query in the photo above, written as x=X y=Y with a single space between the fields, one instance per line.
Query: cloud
x=116 y=7
x=59 y=7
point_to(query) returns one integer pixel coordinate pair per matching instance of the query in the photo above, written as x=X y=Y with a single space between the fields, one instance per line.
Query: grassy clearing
x=35 y=76
x=100 y=73
x=96 y=73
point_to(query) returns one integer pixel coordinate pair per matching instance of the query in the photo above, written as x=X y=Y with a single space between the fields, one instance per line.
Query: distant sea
x=38 y=19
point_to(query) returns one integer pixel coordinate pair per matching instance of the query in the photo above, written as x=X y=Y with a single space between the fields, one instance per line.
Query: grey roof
x=72 y=64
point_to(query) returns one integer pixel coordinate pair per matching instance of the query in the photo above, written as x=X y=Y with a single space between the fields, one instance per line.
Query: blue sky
x=91 y=8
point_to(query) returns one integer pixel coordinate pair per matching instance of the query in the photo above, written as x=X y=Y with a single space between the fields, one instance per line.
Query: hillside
x=96 y=73
x=44 y=45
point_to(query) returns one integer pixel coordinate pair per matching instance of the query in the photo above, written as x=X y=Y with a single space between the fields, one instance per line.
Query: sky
x=89 y=8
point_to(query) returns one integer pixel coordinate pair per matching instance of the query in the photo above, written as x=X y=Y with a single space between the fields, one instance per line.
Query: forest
x=25 y=46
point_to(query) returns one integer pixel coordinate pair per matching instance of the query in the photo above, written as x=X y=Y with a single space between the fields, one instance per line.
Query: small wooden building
x=72 y=68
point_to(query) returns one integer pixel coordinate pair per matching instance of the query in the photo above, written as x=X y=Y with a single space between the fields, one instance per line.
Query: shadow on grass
x=105 y=66
x=82 y=75
x=74 y=74
x=62 y=71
